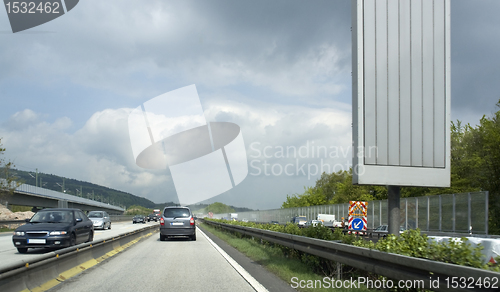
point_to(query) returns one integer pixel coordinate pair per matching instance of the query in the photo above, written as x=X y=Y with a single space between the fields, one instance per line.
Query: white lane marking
x=251 y=280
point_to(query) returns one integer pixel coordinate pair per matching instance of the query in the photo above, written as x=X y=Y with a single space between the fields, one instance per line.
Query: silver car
x=312 y=223
x=177 y=221
x=385 y=229
x=100 y=219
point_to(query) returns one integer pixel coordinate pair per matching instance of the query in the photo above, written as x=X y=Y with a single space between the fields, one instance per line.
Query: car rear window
x=96 y=215
x=176 y=212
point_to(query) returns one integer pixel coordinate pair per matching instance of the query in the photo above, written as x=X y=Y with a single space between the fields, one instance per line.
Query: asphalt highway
x=207 y=264
x=154 y=265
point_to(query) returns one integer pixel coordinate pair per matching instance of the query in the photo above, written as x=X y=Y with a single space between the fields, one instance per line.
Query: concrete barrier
x=48 y=270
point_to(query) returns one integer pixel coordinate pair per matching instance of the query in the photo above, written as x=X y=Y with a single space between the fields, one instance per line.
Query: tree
x=310 y=197
x=465 y=166
x=484 y=153
x=475 y=166
x=219 y=208
x=7 y=180
x=335 y=188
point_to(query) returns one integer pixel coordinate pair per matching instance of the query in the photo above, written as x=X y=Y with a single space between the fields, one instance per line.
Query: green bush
x=410 y=243
x=319 y=231
x=414 y=244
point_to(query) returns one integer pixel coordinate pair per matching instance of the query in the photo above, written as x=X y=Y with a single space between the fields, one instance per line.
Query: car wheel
x=91 y=237
x=72 y=239
x=162 y=237
x=109 y=227
x=22 y=249
x=193 y=237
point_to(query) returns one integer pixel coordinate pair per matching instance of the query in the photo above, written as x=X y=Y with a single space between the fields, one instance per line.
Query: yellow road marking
x=82 y=267
x=76 y=270
x=46 y=286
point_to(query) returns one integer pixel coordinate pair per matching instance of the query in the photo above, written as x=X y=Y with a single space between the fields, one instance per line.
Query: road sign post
x=394 y=212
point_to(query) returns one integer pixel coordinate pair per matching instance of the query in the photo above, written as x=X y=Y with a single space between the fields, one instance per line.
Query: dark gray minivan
x=177 y=221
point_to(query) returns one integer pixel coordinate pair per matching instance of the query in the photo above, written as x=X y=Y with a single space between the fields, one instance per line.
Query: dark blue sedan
x=53 y=228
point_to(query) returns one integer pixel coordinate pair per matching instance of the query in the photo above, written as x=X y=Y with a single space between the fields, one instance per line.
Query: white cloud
x=100 y=151
x=279 y=69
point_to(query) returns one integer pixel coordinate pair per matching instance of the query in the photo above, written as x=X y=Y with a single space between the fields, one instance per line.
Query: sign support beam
x=394 y=194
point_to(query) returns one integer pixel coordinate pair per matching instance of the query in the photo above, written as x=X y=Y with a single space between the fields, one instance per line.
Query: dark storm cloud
x=475 y=47
x=279 y=69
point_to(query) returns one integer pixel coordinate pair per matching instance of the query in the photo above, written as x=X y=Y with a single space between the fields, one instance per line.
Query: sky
x=281 y=70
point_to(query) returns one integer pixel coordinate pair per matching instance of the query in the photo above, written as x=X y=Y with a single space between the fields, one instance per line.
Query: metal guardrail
x=7 y=222
x=118 y=218
x=392 y=266
x=114 y=218
x=49 y=266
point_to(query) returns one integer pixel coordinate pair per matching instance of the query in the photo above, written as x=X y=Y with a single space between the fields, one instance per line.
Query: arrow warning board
x=358 y=215
x=357 y=224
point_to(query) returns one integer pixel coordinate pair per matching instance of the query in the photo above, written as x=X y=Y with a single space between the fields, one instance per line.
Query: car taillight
x=191 y=221
x=162 y=221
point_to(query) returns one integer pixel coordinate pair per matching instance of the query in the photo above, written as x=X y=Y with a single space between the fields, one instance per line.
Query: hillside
x=96 y=192
x=77 y=188
x=201 y=208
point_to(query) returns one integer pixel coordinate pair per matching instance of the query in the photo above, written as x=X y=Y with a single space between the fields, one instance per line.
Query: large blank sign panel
x=401 y=92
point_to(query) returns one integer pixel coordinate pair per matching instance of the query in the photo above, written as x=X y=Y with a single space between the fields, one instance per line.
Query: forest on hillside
x=81 y=189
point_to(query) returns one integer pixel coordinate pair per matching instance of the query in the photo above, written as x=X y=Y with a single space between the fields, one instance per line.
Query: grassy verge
x=3 y=229
x=291 y=270
x=16 y=208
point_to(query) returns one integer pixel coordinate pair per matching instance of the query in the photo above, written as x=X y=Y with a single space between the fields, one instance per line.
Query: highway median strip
x=70 y=273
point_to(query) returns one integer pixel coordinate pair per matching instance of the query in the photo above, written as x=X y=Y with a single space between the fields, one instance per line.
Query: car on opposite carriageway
x=152 y=217
x=139 y=219
x=53 y=228
x=100 y=219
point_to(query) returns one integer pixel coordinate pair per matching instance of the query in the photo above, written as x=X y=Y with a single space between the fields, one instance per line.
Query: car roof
x=172 y=207
x=177 y=207
x=59 y=209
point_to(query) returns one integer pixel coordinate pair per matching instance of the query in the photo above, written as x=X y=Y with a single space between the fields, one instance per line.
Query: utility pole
x=36 y=178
